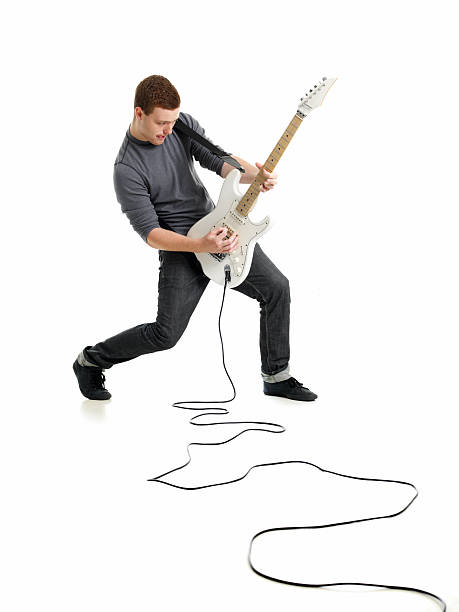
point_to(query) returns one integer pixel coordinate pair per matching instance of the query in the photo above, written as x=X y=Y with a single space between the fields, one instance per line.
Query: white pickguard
x=225 y=214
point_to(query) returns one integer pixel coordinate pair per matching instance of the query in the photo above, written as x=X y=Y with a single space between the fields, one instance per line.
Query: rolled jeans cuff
x=278 y=377
x=84 y=362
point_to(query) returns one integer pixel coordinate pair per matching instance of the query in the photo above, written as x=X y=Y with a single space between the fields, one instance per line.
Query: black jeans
x=181 y=284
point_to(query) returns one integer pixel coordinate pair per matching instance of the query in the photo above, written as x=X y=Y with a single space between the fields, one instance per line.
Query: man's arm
x=213 y=242
x=250 y=173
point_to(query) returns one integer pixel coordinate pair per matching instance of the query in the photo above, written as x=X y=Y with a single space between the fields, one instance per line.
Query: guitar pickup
x=229 y=231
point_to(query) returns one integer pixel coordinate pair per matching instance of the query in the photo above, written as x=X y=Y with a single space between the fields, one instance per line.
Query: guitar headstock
x=315 y=96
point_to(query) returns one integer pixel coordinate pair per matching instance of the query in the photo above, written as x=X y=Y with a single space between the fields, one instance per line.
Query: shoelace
x=97 y=378
x=293 y=382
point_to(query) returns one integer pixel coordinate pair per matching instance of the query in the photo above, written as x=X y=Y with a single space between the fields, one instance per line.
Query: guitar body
x=226 y=215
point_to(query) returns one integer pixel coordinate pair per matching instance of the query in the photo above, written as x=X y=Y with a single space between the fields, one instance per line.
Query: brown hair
x=154 y=91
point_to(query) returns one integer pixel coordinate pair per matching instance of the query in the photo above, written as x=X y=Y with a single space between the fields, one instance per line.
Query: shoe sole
x=298 y=399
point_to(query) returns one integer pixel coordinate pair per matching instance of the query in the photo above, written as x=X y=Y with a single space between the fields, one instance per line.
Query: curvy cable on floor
x=276 y=428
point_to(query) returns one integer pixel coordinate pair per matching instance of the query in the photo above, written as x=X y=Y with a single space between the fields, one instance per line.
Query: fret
x=276 y=155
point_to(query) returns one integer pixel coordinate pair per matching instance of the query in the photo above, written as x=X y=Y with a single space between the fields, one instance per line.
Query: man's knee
x=162 y=337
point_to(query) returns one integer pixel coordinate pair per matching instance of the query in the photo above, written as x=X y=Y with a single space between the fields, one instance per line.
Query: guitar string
x=215 y=411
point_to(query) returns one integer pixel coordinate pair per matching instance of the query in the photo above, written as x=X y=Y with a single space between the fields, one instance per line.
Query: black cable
x=280 y=429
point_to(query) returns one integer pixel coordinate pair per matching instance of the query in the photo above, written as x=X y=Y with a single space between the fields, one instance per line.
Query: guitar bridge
x=218 y=256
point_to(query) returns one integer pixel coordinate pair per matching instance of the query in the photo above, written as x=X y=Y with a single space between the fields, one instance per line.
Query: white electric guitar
x=233 y=207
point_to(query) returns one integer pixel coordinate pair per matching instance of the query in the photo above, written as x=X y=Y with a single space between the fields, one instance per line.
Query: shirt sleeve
x=132 y=193
x=206 y=158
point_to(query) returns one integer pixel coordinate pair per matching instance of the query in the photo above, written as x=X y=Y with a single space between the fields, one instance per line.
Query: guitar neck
x=249 y=199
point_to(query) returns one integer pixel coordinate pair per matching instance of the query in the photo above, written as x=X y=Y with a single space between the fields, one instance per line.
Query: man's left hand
x=271 y=178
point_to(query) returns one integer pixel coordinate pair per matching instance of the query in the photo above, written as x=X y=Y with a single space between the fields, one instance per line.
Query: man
x=160 y=192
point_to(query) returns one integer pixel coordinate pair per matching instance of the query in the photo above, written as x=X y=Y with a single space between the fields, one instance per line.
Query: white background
x=366 y=231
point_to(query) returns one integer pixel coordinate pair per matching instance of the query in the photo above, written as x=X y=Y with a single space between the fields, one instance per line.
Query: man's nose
x=168 y=130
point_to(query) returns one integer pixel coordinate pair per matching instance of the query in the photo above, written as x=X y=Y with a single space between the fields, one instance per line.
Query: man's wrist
x=168 y=240
x=195 y=245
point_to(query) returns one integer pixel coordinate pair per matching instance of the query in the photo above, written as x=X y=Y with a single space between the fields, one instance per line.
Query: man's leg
x=181 y=285
x=266 y=283
x=270 y=287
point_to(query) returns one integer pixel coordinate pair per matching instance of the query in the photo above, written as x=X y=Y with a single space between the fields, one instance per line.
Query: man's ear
x=138 y=112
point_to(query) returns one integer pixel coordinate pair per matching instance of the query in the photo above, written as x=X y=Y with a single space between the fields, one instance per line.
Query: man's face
x=158 y=124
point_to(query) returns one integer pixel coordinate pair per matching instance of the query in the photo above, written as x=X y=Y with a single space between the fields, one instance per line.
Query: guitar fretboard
x=250 y=197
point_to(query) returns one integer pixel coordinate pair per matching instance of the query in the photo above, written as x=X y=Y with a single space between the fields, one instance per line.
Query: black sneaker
x=291 y=389
x=91 y=382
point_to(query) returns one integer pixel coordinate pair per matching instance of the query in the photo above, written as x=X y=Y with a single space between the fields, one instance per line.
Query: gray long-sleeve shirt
x=158 y=186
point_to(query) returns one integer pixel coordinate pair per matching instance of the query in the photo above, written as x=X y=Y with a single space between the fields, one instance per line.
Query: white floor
x=85 y=530
x=366 y=231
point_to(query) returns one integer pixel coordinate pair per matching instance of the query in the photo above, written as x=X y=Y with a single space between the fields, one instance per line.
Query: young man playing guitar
x=161 y=194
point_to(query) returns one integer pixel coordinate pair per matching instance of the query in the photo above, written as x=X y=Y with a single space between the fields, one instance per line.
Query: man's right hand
x=217 y=242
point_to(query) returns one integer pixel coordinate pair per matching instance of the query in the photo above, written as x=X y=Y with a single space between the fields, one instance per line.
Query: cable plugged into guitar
x=227 y=270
